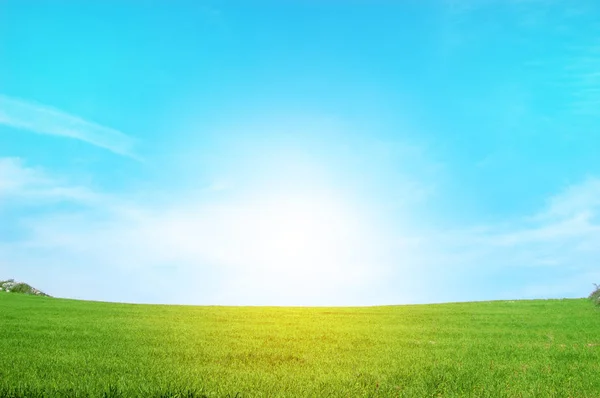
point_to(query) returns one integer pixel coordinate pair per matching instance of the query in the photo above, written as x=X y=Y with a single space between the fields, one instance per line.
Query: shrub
x=19 y=287
x=595 y=296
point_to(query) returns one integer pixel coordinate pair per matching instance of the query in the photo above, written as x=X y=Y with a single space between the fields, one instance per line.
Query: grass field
x=54 y=347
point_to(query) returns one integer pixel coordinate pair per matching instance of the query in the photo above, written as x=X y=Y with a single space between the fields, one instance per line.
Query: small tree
x=595 y=296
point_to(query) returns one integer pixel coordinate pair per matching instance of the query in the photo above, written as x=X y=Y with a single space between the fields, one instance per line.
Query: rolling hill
x=65 y=348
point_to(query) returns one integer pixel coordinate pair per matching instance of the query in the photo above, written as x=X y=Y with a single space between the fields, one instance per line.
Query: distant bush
x=595 y=296
x=19 y=287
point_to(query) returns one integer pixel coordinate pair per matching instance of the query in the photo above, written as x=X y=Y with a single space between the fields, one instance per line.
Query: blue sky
x=306 y=153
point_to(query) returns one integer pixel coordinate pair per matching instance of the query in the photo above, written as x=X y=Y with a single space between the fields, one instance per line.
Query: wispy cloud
x=30 y=185
x=551 y=253
x=43 y=119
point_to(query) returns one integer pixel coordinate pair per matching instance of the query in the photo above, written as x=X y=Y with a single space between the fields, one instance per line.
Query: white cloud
x=575 y=200
x=43 y=119
x=14 y=177
x=34 y=186
x=553 y=253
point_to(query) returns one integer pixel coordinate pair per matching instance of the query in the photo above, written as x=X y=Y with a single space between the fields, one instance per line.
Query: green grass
x=54 y=347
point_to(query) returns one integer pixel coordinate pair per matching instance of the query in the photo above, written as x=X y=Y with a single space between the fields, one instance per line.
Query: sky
x=300 y=152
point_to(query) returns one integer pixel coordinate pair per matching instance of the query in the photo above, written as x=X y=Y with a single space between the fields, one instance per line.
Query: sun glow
x=298 y=227
x=296 y=245
x=282 y=229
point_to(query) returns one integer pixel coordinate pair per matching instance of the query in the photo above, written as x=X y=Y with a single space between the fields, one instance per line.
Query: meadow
x=67 y=348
